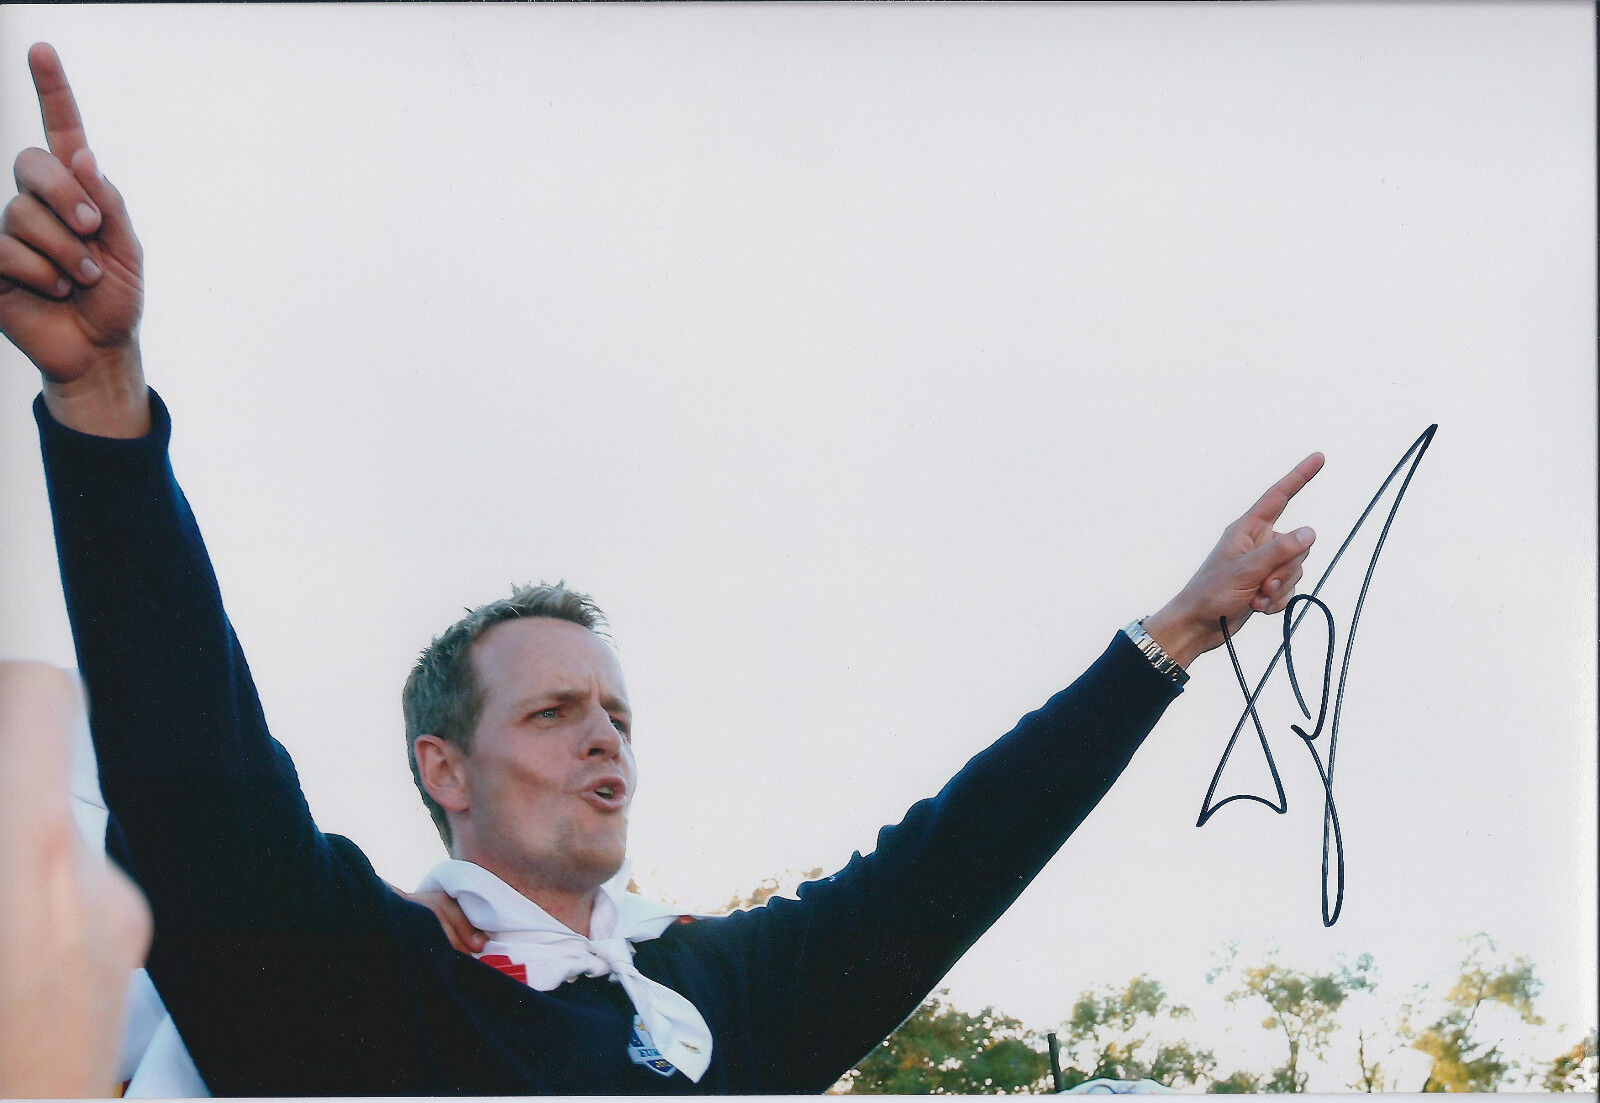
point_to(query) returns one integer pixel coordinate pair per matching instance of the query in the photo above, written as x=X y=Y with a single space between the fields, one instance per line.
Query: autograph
x=1330 y=814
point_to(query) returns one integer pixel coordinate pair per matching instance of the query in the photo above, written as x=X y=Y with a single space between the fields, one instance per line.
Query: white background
x=871 y=365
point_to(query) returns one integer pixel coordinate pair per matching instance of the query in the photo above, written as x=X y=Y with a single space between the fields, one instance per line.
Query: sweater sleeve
x=257 y=913
x=202 y=794
x=841 y=967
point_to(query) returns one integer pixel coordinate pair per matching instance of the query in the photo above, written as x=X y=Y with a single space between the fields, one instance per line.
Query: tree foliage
x=1462 y=1061
x=1239 y=1082
x=781 y=885
x=1110 y=1034
x=1371 y=1073
x=1127 y=1032
x=1575 y=1070
x=942 y=1050
x=1303 y=1005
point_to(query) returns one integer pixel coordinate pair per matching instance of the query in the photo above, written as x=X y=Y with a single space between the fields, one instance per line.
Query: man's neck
x=575 y=910
x=572 y=907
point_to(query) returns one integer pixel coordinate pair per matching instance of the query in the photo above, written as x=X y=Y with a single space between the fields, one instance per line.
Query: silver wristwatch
x=1164 y=663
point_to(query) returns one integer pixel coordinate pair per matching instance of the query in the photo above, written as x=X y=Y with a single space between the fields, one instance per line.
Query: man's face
x=551 y=774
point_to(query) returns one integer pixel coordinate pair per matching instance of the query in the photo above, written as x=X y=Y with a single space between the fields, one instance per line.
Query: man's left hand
x=1251 y=570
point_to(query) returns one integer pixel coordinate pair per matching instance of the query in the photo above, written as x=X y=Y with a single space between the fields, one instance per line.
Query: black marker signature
x=1330 y=814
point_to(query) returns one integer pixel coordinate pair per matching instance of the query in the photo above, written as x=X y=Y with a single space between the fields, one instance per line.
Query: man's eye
x=546 y=714
x=620 y=724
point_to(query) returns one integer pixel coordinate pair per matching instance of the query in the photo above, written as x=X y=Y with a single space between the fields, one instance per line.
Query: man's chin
x=604 y=863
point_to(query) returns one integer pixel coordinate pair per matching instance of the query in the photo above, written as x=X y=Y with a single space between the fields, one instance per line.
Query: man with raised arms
x=291 y=968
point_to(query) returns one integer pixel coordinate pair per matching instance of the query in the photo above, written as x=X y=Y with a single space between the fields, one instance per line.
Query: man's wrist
x=1152 y=651
x=109 y=400
x=1177 y=635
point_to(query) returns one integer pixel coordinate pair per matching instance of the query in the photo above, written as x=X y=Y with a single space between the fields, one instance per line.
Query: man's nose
x=600 y=736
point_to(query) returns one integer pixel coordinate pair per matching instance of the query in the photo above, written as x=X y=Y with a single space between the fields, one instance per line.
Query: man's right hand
x=72 y=272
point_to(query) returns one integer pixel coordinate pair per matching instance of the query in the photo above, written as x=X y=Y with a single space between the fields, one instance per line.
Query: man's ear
x=440 y=765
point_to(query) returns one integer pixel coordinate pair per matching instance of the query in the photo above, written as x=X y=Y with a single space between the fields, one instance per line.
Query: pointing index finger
x=63 y=127
x=1272 y=503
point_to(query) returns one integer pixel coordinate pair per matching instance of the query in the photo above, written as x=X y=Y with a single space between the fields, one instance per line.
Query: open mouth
x=609 y=794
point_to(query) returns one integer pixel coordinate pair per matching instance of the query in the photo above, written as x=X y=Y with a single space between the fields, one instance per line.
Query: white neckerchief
x=554 y=953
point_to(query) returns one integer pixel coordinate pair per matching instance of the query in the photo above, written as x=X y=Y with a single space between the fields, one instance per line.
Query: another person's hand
x=1251 y=570
x=72 y=272
x=457 y=927
x=72 y=926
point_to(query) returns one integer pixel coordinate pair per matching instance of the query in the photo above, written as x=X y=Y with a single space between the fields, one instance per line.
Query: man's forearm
x=891 y=923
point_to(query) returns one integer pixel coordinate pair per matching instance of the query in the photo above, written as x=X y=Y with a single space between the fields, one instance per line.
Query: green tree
x=781 y=885
x=1237 y=1083
x=1382 y=1054
x=1461 y=1060
x=1372 y=1075
x=1574 y=1070
x=1108 y=1034
x=1303 y=1005
x=942 y=1050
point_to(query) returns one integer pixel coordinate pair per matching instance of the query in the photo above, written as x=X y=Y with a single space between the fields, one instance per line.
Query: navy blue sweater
x=292 y=969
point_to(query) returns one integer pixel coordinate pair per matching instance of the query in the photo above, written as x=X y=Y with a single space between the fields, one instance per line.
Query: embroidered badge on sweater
x=643 y=1051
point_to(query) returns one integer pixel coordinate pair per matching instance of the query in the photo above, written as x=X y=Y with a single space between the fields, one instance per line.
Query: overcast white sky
x=872 y=365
